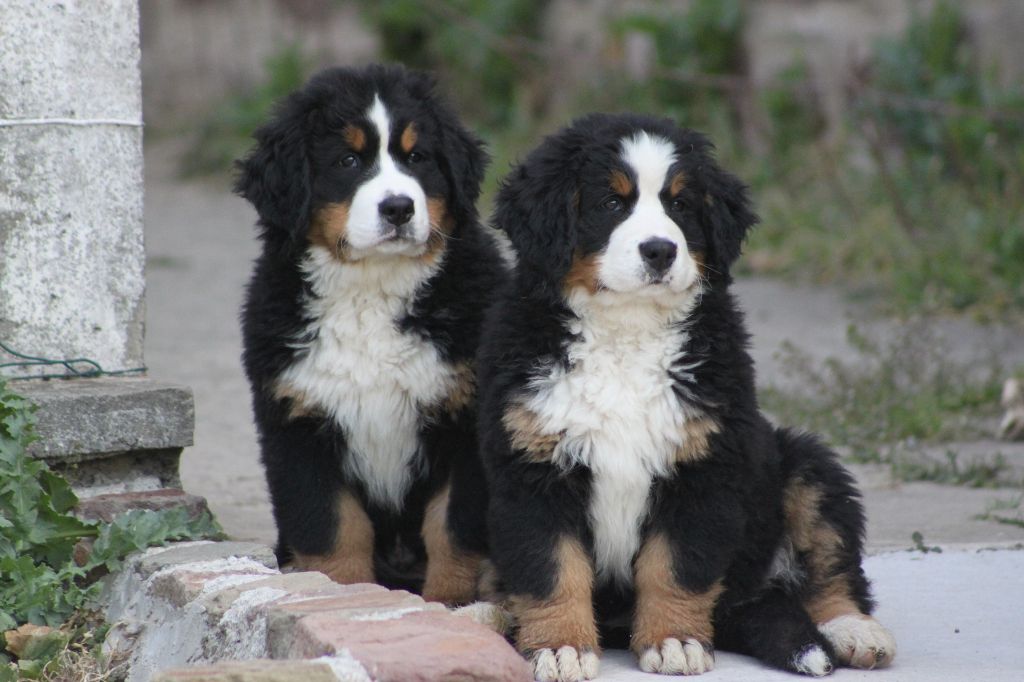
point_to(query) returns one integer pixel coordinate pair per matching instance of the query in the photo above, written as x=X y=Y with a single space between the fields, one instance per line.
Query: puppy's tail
x=776 y=629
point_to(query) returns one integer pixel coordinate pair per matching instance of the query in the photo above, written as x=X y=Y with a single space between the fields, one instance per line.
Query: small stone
x=108 y=507
x=297 y=585
x=426 y=645
x=179 y=586
x=158 y=559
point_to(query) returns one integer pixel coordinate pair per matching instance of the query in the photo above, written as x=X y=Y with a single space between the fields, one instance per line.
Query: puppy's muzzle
x=658 y=256
x=396 y=210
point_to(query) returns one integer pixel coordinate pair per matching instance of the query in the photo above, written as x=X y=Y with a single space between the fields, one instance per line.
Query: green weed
x=918 y=539
x=997 y=512
x=227 y=133
x=46 y=578
x=903 y=390
x=907 y=468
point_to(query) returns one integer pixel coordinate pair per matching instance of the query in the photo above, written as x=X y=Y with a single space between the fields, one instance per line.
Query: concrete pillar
x=71 y=245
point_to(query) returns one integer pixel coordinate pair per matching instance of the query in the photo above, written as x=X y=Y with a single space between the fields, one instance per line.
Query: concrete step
x=111 y=434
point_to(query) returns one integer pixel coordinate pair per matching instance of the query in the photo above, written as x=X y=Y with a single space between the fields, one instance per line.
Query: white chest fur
x=366 y=374
x=620 y=418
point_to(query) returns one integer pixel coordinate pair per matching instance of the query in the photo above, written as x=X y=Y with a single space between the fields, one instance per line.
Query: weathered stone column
x=71 y=247
x=72 y=262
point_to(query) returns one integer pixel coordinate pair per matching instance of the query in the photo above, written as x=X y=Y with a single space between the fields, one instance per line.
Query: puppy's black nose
x=658 y=254
x=396 y=209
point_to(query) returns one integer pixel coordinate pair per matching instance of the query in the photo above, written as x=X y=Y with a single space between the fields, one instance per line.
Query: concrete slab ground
x=200 y=243
x=956 y=616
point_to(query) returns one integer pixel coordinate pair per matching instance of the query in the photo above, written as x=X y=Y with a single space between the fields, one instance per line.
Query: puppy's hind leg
x=825 y=524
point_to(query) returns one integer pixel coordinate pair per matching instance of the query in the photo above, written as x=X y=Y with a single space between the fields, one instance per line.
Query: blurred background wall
x=195 y=51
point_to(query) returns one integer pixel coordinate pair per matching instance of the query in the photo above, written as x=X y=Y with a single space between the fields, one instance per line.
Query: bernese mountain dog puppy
x=361 y=323
x=637 y=494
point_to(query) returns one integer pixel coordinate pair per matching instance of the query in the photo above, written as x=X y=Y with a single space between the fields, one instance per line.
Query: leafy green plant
x=918 y=539
x=934 y=61
x=49 y=559
x=905 y=390
x=703 y=44
x=906 y=466
x=1008 y=512
x=484 y=50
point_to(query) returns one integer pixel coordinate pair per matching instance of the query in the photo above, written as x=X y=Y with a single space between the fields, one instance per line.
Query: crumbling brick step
x=177 y=610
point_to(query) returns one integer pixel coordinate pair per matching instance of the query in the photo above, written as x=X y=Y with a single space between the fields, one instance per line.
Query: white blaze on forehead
x=378 y=116
x=365 y=227
x=650 y=157
x=621 y=267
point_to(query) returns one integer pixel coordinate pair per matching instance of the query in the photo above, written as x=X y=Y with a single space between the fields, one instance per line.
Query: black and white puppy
x=361 y=323
x=636 y=491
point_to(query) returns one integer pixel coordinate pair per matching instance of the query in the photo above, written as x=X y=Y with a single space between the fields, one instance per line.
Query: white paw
x=813 y=661
x=860 y=641
x=677 y=658
x=488 y=614
x=565 y=665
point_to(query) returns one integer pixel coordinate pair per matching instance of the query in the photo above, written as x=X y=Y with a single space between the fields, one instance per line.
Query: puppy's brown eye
x=677 y=205
x=415 y=157
x=612 y=204
x=350 y=161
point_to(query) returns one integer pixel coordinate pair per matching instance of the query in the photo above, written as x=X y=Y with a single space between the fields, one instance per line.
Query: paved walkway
x=957 y=617
x=200 y=243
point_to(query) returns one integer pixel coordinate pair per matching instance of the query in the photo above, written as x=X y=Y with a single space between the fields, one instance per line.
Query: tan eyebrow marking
x=409 y=137
x=355 y=137
x=620 y=183
x=677 y=184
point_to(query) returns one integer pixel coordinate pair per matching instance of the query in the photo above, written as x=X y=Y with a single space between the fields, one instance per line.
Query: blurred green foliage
x=227 y=132
x=50 y=560
x=481 y=49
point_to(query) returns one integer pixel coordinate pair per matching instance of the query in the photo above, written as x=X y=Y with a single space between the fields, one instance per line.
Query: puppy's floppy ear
x=727 y=216
x=463 y=162
x=275 y=175
x=538 y=208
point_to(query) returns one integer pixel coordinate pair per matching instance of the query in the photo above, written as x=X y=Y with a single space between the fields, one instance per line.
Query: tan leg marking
x=452 y=574
x=858 y=639
x=696 y=434
x=351 y=558
x=526 y=434
x=566 y=616
x=820 y=543
x=663 y=608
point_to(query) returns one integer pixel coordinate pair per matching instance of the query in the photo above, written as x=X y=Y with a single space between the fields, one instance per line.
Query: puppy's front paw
x=566 y=664
x=673 y=657
x=860 y=641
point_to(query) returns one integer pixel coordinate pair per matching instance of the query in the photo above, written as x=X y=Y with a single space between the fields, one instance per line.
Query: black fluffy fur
x=723 y=515
x=290 y=173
